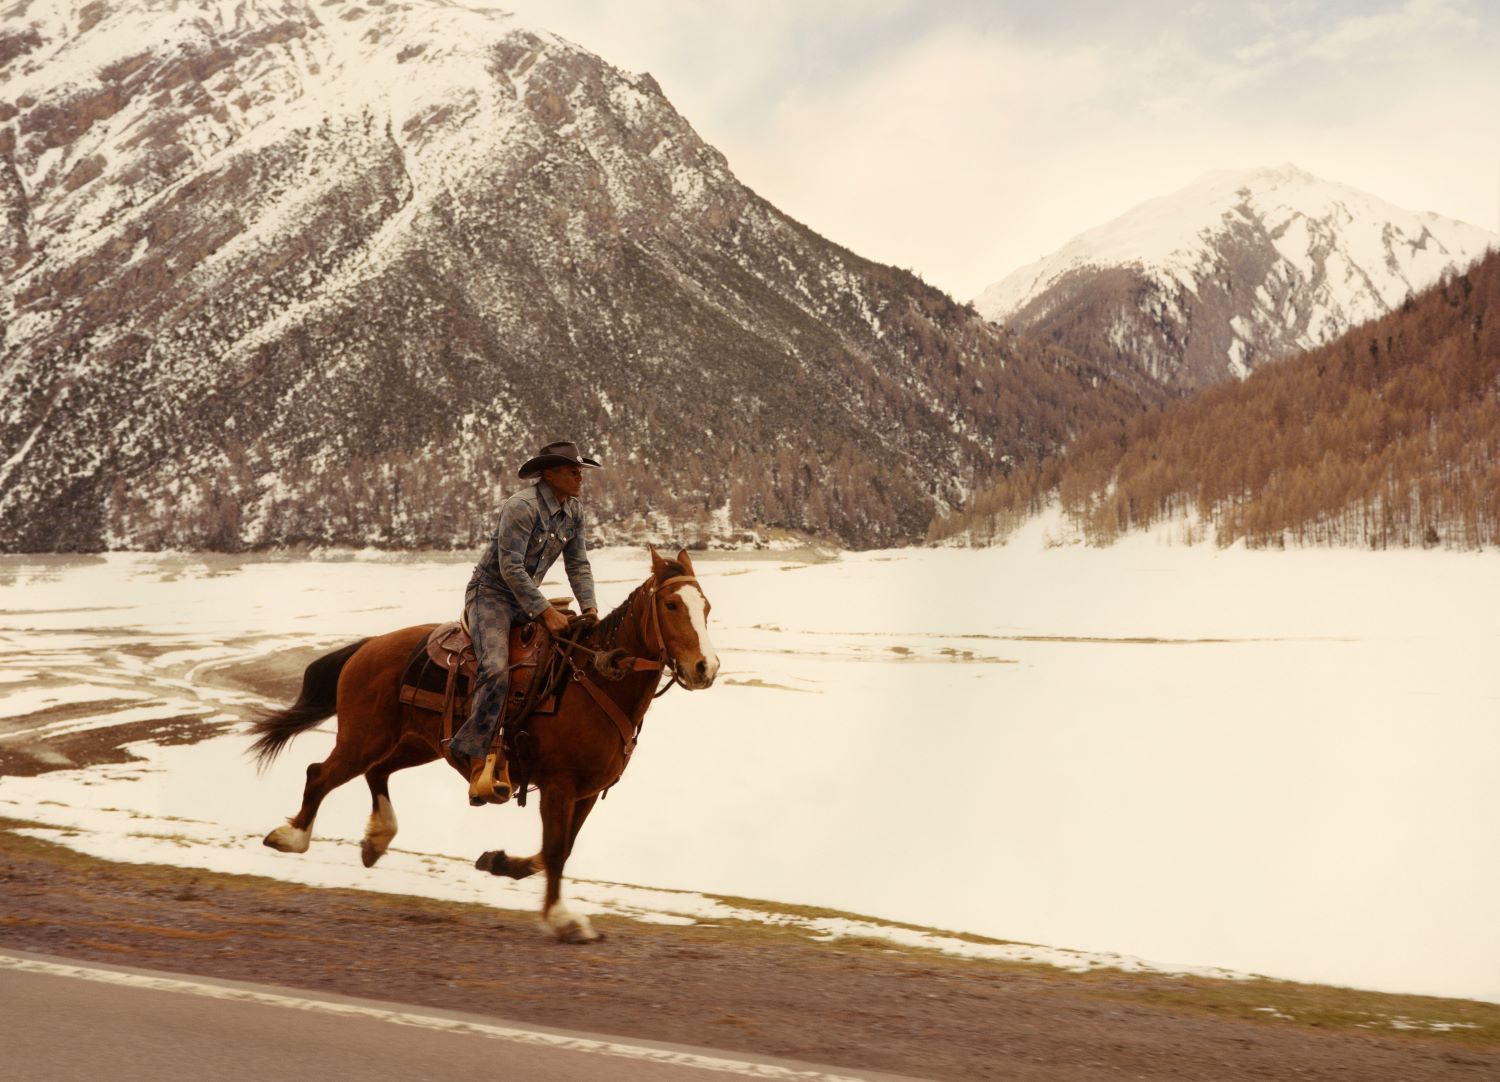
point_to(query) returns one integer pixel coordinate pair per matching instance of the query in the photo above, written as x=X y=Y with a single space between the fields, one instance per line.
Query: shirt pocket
x=553 y=542
x=536 y=548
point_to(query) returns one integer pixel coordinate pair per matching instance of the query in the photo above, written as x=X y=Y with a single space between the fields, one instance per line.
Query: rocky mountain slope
x=1239 y=268
x=1387 y=437
x=282 y=272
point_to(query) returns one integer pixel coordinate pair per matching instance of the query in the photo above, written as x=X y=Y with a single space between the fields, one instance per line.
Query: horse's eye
x=672 y=605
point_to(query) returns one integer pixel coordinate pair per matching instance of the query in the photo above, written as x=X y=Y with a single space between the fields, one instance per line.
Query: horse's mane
x=608 y=628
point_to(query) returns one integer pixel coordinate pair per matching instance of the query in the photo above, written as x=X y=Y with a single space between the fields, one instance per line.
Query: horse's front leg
x=499 y=862
x=580 y=813
x=559 y=810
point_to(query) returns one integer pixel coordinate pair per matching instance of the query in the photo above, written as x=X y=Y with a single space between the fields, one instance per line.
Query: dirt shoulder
x=738 y=988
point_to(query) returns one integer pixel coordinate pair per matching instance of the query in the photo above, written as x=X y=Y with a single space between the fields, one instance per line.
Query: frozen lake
x=1282 y=763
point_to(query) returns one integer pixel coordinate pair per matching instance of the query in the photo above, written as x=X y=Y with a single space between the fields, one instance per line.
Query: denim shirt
x=534 y=530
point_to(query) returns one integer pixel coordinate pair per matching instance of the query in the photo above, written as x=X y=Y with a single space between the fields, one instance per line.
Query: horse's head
x=682 y=614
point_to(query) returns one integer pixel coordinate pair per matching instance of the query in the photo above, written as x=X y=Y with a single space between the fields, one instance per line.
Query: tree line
x=1389 y=436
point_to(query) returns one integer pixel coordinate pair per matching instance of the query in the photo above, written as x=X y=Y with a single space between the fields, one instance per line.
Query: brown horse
x=579 y=752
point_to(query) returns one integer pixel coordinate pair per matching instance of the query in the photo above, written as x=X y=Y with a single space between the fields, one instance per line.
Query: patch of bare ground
x=25 y=752
x=739 y=987
x=276 y=676
x=107 y=744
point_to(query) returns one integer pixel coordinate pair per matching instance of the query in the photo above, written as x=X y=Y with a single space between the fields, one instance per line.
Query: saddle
x=440 y=674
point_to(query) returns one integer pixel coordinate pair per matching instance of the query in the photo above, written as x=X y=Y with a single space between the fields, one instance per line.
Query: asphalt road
x=62 y=1021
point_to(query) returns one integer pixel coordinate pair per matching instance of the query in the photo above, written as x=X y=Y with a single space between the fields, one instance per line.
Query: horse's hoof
x=288 y=839
x=493 y=862
x=569 y=927
x=379 y=832
x=572 y=933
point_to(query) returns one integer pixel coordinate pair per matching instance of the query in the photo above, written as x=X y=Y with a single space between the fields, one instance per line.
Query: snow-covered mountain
x=280 y=271
x=1238 y=268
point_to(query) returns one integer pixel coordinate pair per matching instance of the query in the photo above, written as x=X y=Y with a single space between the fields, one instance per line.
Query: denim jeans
x=491 y=615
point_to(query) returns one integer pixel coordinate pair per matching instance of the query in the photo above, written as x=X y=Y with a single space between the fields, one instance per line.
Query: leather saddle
x=440 y=673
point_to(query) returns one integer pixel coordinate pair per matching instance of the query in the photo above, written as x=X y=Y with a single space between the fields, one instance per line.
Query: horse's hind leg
x=346 y=762
x=382 y=825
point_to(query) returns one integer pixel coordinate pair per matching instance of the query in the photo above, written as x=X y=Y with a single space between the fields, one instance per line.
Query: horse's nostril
x=702 y=668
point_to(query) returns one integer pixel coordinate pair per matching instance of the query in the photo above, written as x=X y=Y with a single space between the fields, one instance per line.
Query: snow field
x=1270 y=762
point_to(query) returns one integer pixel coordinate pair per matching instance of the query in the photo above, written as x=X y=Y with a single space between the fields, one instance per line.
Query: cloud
x=912 y=162
x=970 y=153
x=1394 y=29
x=964 y=138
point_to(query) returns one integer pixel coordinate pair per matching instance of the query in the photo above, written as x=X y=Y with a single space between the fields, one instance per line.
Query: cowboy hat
x=554 y=454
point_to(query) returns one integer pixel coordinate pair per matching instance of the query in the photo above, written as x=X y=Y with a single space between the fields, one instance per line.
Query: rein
x=615 y=664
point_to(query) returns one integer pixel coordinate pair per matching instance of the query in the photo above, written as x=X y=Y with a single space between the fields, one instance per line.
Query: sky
x=963 y=139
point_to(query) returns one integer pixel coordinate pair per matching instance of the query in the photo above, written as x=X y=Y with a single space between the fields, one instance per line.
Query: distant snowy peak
x=1240 y=266
x=1385 y=251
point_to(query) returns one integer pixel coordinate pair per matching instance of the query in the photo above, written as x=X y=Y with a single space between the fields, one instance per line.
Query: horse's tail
x=320 y=684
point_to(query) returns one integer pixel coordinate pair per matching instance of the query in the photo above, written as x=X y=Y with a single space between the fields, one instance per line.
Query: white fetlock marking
x=289 y=839
x=382 y=825
x=569 y=926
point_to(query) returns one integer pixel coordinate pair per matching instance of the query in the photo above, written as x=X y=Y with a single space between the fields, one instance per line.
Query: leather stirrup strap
x=449 y=696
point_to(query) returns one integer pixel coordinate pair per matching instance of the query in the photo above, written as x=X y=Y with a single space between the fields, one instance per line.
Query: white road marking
x=565 y=1042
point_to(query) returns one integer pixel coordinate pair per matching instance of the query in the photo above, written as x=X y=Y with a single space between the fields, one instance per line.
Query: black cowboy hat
x=555 y=454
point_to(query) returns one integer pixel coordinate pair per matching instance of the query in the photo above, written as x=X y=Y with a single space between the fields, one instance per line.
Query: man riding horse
x=537 y=524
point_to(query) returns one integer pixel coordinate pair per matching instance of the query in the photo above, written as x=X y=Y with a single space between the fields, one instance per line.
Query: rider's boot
x=489 y=780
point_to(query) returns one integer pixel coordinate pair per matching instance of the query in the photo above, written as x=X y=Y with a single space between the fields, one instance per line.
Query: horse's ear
x=657 y=563
x=682 y=558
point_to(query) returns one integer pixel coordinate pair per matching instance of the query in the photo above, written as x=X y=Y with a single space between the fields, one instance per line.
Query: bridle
x=653 y=599
x=616 y=663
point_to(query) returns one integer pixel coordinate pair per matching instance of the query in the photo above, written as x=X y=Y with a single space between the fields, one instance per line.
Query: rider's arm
x=517 y=519
x=576 y=561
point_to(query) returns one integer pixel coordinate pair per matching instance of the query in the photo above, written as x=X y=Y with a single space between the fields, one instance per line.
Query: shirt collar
x=548 y=497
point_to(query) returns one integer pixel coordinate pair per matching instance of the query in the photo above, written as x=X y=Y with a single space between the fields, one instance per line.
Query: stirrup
x=489 y=781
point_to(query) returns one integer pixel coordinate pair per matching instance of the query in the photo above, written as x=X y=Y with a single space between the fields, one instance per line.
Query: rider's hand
x=555 y=621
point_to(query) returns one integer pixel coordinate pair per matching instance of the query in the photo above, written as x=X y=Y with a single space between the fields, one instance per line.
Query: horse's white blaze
x=697 y=610
x=382 y=825
x=289 y=839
